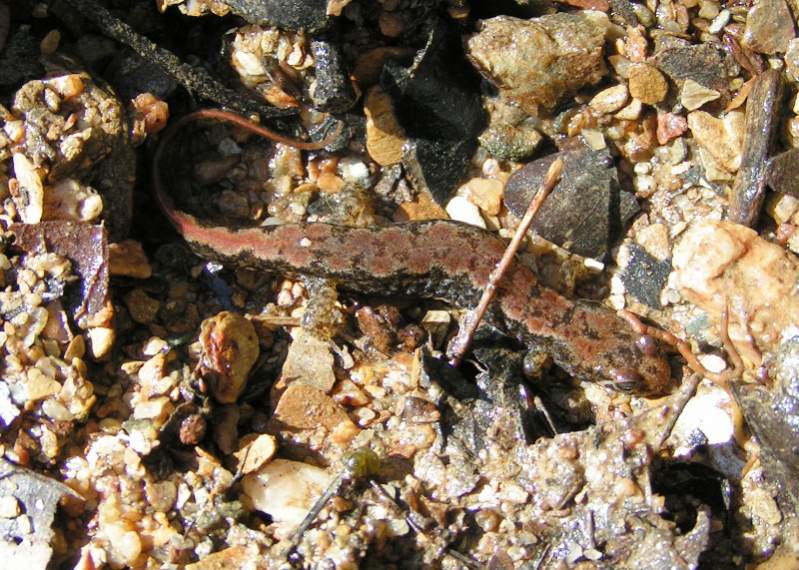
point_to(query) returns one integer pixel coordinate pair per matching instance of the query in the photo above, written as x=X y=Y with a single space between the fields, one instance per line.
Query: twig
x=418 y=528
x=459 y=345
x=687 y=391
x=359 y=464
x=194 y=79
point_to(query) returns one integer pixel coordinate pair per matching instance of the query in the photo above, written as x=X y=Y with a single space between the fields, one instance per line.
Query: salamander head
x=642 y=369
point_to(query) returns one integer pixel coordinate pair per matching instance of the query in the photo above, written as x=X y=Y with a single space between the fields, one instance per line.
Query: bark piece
x=762 y=115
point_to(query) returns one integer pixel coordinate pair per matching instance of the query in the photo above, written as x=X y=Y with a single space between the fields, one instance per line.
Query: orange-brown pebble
x=647 y=84
x=230 y=348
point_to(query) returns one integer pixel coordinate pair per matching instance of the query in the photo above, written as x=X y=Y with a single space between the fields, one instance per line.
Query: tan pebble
x=127 y=258
x=631 y=112
x=152 y=370
x=782 y=207
x=309 y=361
x=423 y=208
x=274 y=95
x=647 y=84
x=150 y=112
x=230 y=348
x=157 y=410
x=720 y=260
x=693 y=95
x=486 y=194
x=722 y=138
x=49 y=43
x=75 y=349
x=39 y=386
x=624 y=488
x=306 y=407
x=462 y=210
x=347 y=393
x=227 y=559
x=28 y=194
x=594 y=138
x=384 y=136
x=285 y=489
x=67 y=86
x=125 y=545
x=254 y=451
x=329 y=182
x=769 y=27
x=539 y=61
x=344 y=433
x=101 y=340
x=764 y=506
x=610 y=100
x=655 y=240
x=142 y=308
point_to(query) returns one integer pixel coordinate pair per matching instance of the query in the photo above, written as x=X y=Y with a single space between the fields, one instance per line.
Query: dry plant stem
x=195 y=79
x=332 y=490
x=461 y=342
x=687 y=391
x=723 y=378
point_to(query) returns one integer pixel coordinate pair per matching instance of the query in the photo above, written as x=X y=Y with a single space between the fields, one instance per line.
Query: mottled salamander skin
x=443 y=260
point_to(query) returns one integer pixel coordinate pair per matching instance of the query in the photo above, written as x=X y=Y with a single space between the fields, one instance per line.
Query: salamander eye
x=626 y=379
x=647 y=345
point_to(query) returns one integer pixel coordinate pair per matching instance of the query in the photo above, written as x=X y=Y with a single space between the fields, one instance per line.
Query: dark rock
x=435 y=166
x=773 y=417
x=645 y=276
x=586 y=210
x=437 y=103
x=332 y=91
x=95 y=51
x=707 y=64
x=114 y=178
x=20 y=60
x=131 y=75
x=622 y=12
x=783 y=175
x=308 y=15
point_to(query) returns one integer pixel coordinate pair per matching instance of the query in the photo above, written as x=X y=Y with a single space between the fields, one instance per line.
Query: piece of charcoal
x=437 y=103
x=308 y=15
x=645 y=276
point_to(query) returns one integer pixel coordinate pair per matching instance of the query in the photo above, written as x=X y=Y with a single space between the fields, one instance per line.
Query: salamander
x=438 y=259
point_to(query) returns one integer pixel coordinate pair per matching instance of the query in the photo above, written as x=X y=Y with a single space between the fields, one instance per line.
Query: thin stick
x=687 y=391
x=459 y=345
